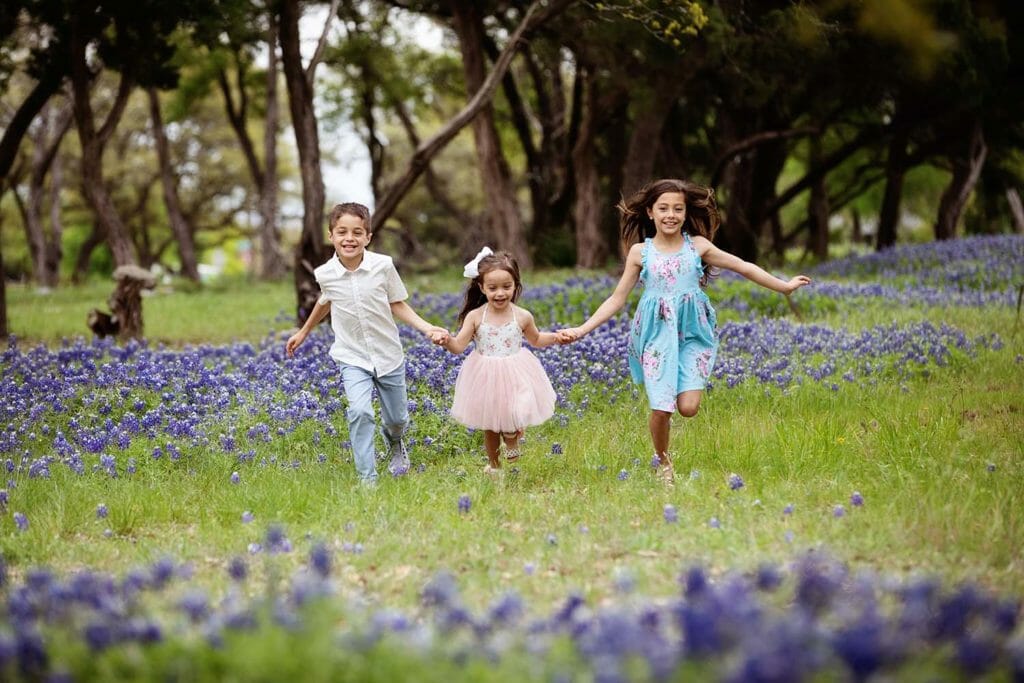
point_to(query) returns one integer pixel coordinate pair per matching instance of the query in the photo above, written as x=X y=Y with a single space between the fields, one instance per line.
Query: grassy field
x=935 y=455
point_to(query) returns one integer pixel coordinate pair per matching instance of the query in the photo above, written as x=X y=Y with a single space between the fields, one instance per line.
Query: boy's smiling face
x=350 y=237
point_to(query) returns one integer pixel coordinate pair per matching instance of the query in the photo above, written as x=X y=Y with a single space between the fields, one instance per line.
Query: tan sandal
x=666 y=472
x=512 y=454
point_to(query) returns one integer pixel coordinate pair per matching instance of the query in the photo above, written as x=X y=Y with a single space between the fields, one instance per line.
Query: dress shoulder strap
x=483 y=317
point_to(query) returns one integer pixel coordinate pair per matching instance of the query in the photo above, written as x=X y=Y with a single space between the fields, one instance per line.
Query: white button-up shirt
x=365 y=333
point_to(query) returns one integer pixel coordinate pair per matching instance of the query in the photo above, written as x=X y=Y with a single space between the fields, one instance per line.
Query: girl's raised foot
x=666 y=473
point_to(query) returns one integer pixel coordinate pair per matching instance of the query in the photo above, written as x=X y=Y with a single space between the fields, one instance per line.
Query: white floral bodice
x=498 y=340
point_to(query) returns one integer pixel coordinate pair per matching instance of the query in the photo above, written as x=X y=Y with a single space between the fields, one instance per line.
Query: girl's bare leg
x=688 y=402
x=659 y=423
x=492 y=442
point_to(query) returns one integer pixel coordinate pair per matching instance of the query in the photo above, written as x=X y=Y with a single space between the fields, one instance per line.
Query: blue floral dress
x=673 y=339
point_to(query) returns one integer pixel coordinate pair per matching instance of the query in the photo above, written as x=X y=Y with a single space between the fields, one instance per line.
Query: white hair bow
x=472 y=268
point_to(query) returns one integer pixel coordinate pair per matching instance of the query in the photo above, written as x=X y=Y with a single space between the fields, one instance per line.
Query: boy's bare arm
x=318 y=313
x=403 y=311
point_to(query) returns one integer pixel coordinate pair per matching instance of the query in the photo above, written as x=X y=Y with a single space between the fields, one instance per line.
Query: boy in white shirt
x=364 y=294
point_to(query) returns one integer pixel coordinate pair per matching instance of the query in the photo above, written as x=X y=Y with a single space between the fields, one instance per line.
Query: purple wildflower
x=235 y=477
x=856 y=500
x=735 y=481
x=464 y=503
x=838 y=511
x=101 y=511
x=623 y=475
x=714 y=523
x=238 y=569
x=21 y=520
x=556 y=449
x=670 y=514
x=788 y=510
x=247 y=517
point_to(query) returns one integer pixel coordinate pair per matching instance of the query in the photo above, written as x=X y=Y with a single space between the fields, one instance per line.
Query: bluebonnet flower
x=552 y=539
x=670 y=514
x=235 y=478
x=254 y=548
x=529 y=568
x=856 y=499
x=237 y=569
x=320 y=560
x=714 y=523
x=838 y=511
x=623 y=475
x=21 y=521
x=735 y=481
x=464 y=503
x=788 y=510
x=556 y=449
x=247 y=517
x=101 y=511
x=991 y=467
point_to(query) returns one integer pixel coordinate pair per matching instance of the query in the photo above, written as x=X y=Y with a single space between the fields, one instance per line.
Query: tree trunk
x=47 y=85
x=506 y=226
x=310 y=249
x=1016 y=209
x=168 y=183
x=895 y=171
x=425 y=152
x=4 y=332
x=818 y=208
x=44 y=245
x=272 y=263
x=591 y=249
x=966 y=170
x=651 y=109
x=126 y=301
x=738 y=235
x=93 y=142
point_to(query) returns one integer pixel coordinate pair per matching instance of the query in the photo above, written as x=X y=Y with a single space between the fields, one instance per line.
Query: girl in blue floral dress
x=673 y=338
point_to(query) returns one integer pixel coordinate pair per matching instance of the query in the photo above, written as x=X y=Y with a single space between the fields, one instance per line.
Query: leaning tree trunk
x=591 y=249
x=506 y=225
x=54 y=247
x=168 y=183
x=1016 y=209
x=45 y=248
x=966 y=170
x=310 y=249
x=93 y=142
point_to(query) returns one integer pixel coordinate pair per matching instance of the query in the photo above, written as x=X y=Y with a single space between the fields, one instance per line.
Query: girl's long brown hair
x=501 y=260
x=702 y=217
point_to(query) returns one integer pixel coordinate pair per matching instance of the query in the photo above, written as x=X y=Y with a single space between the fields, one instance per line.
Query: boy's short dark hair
x=349 y=209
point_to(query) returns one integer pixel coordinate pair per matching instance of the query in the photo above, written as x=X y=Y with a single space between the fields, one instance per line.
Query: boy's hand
x=438 y=335
x=294 y=342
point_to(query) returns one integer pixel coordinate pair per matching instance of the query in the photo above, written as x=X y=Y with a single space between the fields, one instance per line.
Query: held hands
x=294 y=342
x=568 y=335
x=796 y=283
x=438 y=335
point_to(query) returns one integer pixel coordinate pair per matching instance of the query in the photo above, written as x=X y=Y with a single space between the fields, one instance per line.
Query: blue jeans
x=394 y=408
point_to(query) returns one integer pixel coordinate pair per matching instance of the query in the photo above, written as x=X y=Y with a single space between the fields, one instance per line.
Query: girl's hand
x=568 y=335
x=796 y=283
x=439 y=336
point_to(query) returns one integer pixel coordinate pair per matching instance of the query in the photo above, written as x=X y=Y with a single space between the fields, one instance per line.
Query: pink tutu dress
x=501 y=386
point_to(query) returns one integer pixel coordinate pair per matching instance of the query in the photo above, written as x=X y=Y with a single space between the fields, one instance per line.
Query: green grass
x=918 y=452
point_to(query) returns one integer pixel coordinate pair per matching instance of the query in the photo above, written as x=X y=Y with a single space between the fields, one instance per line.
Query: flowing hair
x=702 y=217
x=501 y=260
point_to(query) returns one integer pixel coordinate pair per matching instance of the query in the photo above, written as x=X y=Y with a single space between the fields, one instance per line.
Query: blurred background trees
x=198 y=135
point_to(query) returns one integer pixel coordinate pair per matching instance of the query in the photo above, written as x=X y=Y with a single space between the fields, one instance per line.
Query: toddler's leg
x=492 y=442
x=359 y=391
x=511 y=440
x=394 y=408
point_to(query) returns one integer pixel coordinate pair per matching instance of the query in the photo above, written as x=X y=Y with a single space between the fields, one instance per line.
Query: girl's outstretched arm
x=614 y=303
x=714 y=256
x=459 y=342
x=535 y=337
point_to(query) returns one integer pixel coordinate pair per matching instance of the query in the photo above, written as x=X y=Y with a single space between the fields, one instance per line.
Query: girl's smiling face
x=499 y=287
x=668 y=213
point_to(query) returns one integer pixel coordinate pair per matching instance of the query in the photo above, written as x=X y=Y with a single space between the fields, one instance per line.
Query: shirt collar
x=363 y=265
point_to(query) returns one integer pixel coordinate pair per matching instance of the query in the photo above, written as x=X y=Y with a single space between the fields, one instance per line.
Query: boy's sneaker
x=400 y=463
